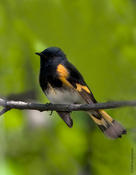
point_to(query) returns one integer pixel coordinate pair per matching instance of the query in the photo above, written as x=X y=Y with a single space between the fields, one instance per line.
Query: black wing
x=77 y=81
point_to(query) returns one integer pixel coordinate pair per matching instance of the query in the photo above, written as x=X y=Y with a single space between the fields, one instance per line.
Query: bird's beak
x=37 y=53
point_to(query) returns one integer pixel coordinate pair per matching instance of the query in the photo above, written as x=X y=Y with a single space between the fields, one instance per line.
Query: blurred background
x=99 y=37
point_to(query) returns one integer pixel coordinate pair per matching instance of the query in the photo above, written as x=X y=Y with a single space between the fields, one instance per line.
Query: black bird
x=62 y=83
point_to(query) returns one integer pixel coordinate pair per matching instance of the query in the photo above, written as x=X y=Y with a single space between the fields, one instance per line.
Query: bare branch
x=61 y=107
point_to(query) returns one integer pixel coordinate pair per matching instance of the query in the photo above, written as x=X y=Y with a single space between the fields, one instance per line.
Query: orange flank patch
x=63 y=72
x=80 y=87
x=66 y=82
x=63 y=75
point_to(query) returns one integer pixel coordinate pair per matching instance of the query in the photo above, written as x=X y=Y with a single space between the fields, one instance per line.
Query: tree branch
x=9 y=104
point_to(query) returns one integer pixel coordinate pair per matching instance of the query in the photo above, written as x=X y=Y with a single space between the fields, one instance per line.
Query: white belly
x=64 y=97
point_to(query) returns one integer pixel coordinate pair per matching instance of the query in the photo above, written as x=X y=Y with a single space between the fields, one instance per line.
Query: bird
x=62 y=83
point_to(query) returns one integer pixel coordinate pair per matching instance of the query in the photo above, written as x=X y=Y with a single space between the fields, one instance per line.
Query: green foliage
x=99 y=38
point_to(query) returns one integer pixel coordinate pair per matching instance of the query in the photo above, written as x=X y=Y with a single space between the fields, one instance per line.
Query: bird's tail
x=108 y=126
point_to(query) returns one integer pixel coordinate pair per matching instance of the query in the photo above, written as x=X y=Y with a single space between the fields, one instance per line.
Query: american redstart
x=62 y=83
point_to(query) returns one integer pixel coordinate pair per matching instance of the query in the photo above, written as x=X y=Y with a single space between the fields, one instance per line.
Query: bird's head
x=51 y=53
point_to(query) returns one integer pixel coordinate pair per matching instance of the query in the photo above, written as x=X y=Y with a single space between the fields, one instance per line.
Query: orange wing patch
x=80 y=87
x=63 y=75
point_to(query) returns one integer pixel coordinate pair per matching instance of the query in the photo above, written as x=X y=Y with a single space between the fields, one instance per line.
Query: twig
x=61 y=107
